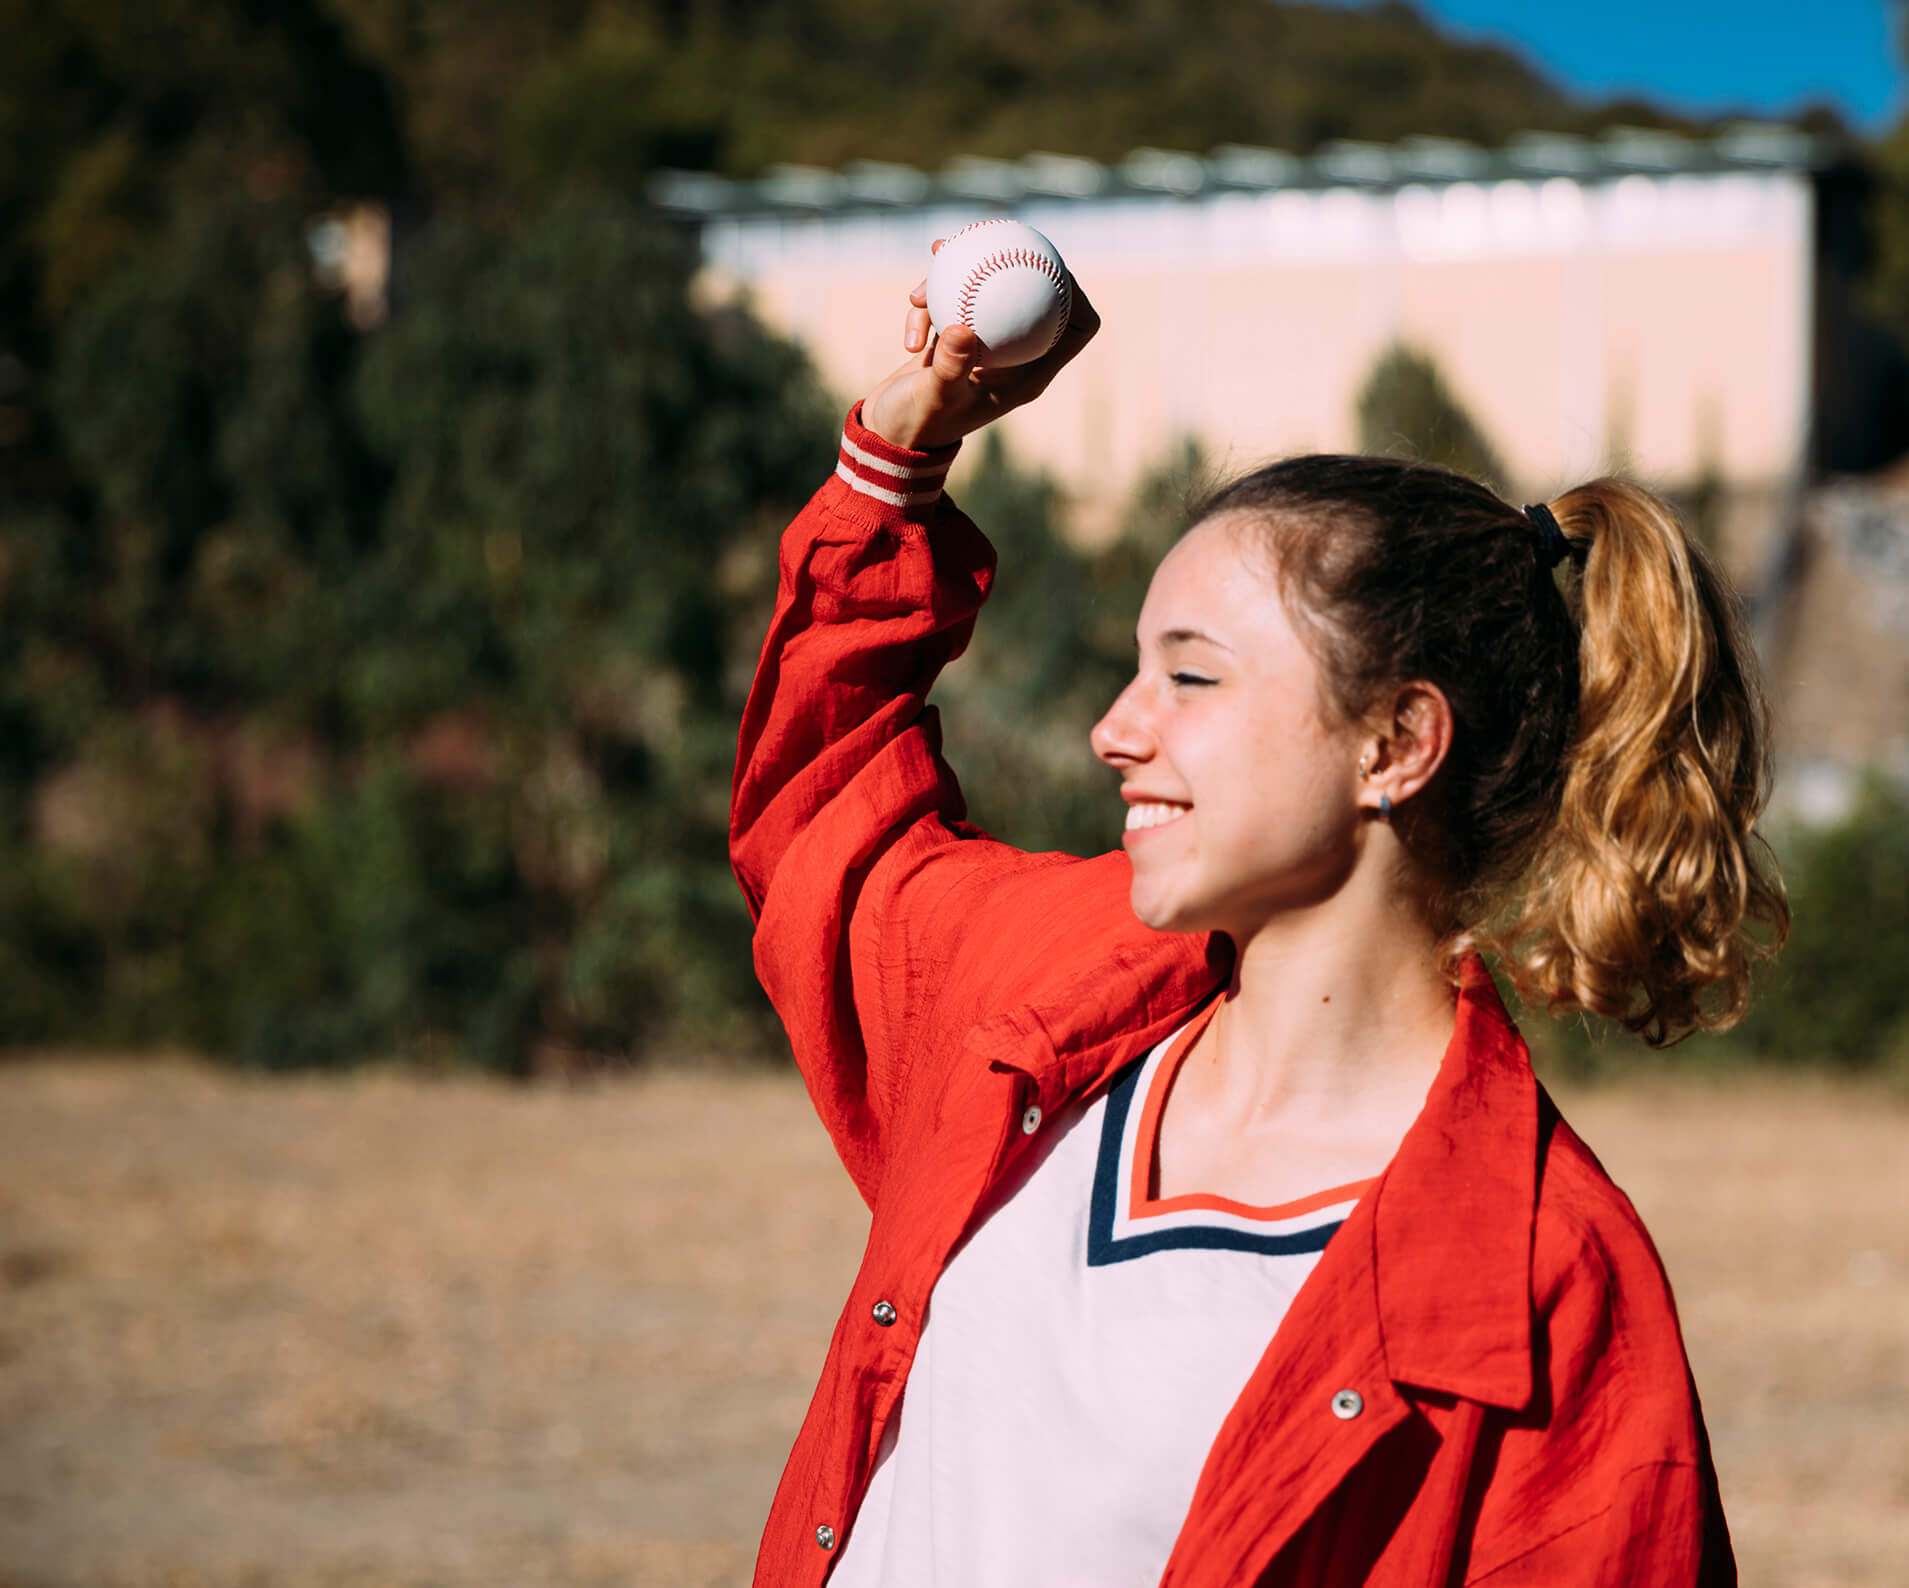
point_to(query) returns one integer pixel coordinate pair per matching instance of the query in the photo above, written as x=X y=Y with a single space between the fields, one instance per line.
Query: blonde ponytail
x=1650 y=893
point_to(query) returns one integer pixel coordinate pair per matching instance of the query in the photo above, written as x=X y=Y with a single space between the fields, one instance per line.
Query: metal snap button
x=1347 y=1404
x=883 y=1314
x=1031 y=1119
x=825 y=1536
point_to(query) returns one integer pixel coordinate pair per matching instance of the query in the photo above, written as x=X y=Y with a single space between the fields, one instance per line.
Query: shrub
x=485 y=578
x=1406 y=410
x=1840 y=989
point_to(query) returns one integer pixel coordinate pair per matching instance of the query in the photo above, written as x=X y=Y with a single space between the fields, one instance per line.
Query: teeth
x=1152 y=814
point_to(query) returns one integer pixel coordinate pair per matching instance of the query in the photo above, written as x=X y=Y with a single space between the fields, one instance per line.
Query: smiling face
x=1241 y=792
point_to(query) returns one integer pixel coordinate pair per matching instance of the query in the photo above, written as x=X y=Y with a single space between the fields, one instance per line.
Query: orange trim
x=1331 y=1197
x=1142 y=1204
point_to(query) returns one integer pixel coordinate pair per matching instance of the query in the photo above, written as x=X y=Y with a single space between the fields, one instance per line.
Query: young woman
x=1221 y=1234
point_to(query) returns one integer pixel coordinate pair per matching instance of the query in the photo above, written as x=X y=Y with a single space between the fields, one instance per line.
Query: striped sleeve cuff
x=890 y=474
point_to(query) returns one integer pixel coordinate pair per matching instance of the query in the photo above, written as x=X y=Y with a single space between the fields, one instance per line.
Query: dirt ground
x=394 y=1330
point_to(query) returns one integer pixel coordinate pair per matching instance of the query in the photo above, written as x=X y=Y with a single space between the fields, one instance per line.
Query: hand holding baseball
x=947 y=389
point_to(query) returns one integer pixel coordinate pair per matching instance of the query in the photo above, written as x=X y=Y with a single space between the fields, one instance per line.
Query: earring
x=1385 y=807
x=1362 y=768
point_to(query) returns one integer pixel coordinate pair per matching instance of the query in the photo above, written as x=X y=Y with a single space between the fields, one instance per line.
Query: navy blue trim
x=1103 y=1248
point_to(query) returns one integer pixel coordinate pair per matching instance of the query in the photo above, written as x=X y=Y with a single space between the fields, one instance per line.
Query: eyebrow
x=1185 y=637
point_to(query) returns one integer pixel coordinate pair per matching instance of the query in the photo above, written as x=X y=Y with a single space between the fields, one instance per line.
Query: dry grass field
x=394 y=1330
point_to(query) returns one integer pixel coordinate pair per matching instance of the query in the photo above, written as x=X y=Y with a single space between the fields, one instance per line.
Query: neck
x=1333 y=1012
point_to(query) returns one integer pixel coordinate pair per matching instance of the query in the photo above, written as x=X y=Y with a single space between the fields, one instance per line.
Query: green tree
x=587 y=480
x=1406 y=410
x=203 y=395
x=114 y=117
x=1889 y=209
x=1837 y=992
x=618 y=105
x=499 y=99
x=490 y=577
x=1889 y=224
x=1054 y=645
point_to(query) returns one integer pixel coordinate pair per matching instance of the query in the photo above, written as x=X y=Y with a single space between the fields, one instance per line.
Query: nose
x=1122 y=738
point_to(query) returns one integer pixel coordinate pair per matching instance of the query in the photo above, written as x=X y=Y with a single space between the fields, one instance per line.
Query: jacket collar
x=1450 y=1221
x=1453 y=1215
x=1113 y=1011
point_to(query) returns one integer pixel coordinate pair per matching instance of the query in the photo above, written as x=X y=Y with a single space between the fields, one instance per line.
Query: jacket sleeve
x=846 y=828
x=1662 y=1528
x=1608 y=1482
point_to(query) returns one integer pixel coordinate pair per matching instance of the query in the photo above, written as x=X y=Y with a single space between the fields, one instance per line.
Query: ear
x=1411 y=741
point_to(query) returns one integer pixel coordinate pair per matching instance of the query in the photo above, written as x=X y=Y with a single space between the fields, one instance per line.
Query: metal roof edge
x=870 y=185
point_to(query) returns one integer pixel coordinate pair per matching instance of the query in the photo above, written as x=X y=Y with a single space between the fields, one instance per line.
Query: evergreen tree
x=1406 y=410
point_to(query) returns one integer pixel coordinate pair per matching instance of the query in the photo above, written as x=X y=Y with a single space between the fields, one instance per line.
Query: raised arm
x=846 y=828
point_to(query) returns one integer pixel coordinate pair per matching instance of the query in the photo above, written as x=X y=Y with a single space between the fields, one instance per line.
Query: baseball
x=1006 y=283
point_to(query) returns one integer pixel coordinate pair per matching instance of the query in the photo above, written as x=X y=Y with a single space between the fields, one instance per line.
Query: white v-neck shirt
x=1080 y=1353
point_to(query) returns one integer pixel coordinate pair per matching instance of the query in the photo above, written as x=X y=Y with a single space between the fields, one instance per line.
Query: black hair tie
x=1552 y=544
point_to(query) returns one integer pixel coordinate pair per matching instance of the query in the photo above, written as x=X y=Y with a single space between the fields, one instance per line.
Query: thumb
x=955 y=353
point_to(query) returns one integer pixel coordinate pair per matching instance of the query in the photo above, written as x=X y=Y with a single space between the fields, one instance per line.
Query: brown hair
x=1593 y=823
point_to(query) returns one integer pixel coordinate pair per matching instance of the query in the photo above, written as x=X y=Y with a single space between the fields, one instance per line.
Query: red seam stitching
x=987 y=266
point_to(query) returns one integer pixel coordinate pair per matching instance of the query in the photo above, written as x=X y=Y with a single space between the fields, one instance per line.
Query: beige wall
x=1658 y=322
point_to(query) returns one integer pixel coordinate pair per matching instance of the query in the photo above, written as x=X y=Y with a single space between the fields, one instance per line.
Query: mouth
x=1148 y=814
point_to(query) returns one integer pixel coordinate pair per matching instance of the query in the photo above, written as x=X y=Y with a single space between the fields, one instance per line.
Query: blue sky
x=1705 y=56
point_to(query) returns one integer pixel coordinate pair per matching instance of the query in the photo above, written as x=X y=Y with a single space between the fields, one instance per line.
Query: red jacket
x=1524 y=1413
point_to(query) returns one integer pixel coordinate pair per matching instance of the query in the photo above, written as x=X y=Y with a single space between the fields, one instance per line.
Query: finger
x=955 y=353
x=936 y=246
x=915 y=330
x=919 y=296
x=1083 y=320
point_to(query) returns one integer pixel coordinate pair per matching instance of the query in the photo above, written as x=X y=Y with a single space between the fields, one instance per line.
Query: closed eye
x=1191 y=678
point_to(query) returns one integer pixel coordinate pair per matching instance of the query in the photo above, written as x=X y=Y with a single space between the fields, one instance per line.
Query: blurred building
x=1641 y=300
x=1671 y=308
x=1836 y=642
